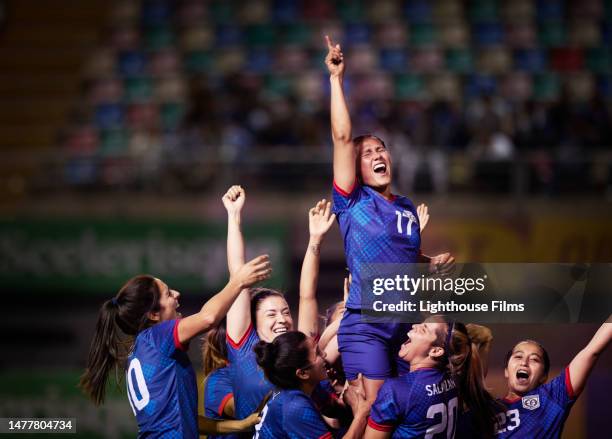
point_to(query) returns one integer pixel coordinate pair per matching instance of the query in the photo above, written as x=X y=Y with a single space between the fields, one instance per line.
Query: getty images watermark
x=493 y=293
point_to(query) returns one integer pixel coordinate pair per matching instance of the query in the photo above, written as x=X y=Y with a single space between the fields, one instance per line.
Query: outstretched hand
x=254 y=271
x=334 y=59
x=234 y=198
x=442 y=264
x=320 y=219
x=423 y=214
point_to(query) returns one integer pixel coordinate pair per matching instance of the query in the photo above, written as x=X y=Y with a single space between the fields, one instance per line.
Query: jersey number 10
x=136 y=381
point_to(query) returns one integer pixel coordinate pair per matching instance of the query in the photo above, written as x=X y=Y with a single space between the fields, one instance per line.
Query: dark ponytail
x=282 y=358
x=120 y=319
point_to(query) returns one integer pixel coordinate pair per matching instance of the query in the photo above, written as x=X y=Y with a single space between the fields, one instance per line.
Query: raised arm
x=320 y=220
x=344 y=151
x=215 y=309
x=239 y=315
x=583 y=362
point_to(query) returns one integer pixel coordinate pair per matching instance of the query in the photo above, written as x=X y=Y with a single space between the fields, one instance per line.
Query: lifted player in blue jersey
x=141 y=325
x=535 y=408
x=294 y=363
x=445 y=379
x=266 y=314
x=377 y=227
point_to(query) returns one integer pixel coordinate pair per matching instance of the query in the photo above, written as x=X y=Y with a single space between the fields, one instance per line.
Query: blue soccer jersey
x=422 y=403
x=249 y=382
x=217 y=392
x=291 y=414
x=374 y=230
x=540 y=413
x=161 y=384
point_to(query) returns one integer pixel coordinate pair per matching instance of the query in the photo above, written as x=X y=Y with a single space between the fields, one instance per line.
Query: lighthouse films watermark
x=487 y=293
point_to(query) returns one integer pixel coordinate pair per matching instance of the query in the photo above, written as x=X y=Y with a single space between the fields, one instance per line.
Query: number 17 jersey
x=375 y=231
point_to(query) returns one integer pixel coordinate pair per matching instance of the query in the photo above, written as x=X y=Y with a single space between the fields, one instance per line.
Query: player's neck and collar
x=511 y=397
x=385 y=192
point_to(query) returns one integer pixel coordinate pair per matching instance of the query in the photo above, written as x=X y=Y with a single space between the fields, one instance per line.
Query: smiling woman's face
x=273 y=318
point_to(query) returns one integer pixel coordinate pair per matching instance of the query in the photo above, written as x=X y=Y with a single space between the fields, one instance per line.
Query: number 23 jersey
x=161 y=384
x=374 y=230
x=539 y=414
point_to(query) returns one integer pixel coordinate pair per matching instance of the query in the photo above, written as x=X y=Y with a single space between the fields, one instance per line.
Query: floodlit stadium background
x=122 y=123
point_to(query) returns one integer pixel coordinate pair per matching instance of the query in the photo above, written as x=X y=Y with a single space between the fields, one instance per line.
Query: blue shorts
x=371 y=348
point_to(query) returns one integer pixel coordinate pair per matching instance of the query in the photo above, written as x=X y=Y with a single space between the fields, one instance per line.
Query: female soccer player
x=296 y=366
x=377 y=227
x=538 y=409
x=445 y=378
x=218 y=399
x=265 y=315
x=160 y=380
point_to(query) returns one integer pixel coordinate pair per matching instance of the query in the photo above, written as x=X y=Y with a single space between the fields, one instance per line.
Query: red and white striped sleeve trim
x=327 y=435
x=380 y=427
x=177 y=343
x=242 y=339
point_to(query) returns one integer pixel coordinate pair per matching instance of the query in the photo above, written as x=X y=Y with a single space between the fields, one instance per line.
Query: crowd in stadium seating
x=482 y=81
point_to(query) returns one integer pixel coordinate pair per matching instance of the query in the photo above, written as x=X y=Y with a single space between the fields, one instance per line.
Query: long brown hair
x=214 y=349
x=120 y=319
x=462 y=347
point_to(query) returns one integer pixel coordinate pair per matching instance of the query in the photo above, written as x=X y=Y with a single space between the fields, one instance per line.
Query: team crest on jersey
x=531 y=402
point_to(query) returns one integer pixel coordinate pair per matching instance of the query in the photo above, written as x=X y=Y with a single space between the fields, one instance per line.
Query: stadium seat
x=410 y=87
x=566 y=59
x=113 y=142
x=394 y=60
x=427 y=60
x=228 y=35
x=286 y=11
x=156 y=12
x=477 y=85
x=418 y=11
x=107 y=116
x=392 y=35
x=531 y=60
x=487 y=34
x=455 y=34
x=550 y=10
x=422 y=34
x=517 y=86
x=546 y=87
x=159 y=37
x=260 y=35
x=357 y=33
x=494 y=60
x=521 y=35
x=599 y=60
x=459 y=60
x=483 y=11
x=259 y=60
x=382 y=11
x=132 y=63
x=552 y=34
x=137 y=89
x=198 y=61
x=171 y=115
